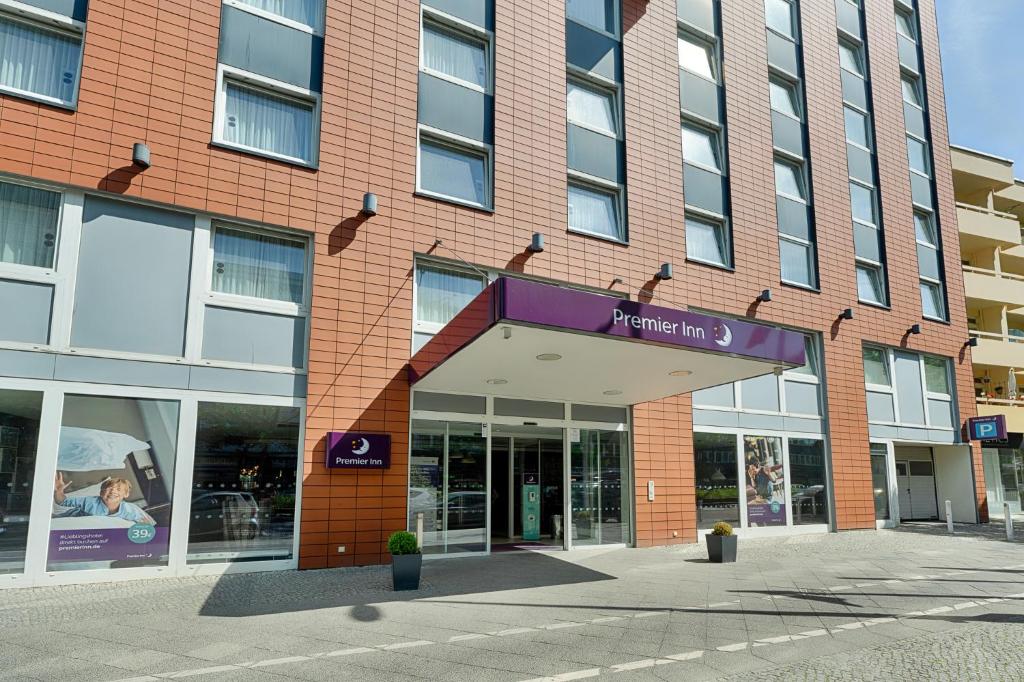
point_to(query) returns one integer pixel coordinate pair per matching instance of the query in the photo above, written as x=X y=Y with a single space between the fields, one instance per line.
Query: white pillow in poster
x=92 y=449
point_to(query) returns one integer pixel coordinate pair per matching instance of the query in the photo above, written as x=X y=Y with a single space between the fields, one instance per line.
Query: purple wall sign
x=987 y=428
x=358 y=450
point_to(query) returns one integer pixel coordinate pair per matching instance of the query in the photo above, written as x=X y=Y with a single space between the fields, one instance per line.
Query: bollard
x=949 y=516
x=1009 y=521
x=419 y=530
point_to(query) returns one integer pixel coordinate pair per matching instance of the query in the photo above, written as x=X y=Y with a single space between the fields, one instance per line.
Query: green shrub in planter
x=721 y=528
x=721 y=544
x=406 y=561
x=403 y=542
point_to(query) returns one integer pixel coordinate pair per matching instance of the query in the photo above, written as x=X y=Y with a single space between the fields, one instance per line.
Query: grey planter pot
x=721 y=548
x=405 y=571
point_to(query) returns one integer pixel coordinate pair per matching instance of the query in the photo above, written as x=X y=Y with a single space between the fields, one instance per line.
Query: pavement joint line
x=405 y=645
x=560 y=626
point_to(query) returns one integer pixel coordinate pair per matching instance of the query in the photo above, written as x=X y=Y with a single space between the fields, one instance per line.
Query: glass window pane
x=426 y=483
x=700 y=147
x=706 y=241
x=796 y=262
x=28 y=225
x=931 y=300
x=936 y=376
x=810 y=367
x=696 y=57
x=37 y=61
x=876 y=367
x=717 y=479
x=452 y=172
x=243 y=483
x=597 y=13
x=591 y=108
x=308 y=12
x=880 y=481
x=593 y=211
x=260 y=120
x=454 y=55
x=808 y=481
x=765 y=481
x=783 y=98
x=19 y=437
x=112 y=492
x=849 y=59
x=905 y=25
x=600 y=495
x=917 y=152
x=911 y=95
x=862 y=201
x=779 y=16
x=869 y=284
x=788 y=180
x=466 y=469
x=442 y=294
x=924 y=229
x=856 y=127
x=258 y=265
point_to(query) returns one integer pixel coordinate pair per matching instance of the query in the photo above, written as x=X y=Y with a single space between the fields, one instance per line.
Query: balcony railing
x=993 y=273
x=1009 y=338
x=986 y=211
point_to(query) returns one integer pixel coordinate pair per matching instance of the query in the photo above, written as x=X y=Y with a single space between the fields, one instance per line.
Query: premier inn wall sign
x=358 y=450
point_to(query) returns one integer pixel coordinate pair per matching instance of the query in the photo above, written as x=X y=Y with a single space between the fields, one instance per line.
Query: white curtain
x=593 y=212
x=796 y=266
x=869 y=284
x=931 y=300
x=28 y=225
x=258 y=265
x=589 y=108
x=452 y=173
x=37 y=61
x=307 y=12
x=705 y=242
x=441 y=294
x=264 y=121
x=449 y=54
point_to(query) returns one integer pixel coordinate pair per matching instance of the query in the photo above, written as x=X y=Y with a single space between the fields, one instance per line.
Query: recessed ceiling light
x=549 y=357
x=497 y=382
x=613 y=391
x=680 y=373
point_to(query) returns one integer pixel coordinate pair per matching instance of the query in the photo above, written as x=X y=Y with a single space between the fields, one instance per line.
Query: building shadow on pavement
x=253 y=594
x=978 y=531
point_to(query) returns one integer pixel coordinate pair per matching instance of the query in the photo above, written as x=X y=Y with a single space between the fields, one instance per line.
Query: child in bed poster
x=112 y=489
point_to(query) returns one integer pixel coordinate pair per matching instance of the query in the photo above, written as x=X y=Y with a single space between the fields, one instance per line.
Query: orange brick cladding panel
x=149 y=75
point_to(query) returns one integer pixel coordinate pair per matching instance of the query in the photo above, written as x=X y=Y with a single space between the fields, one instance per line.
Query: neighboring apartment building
x=600 y=274
x=990 y=211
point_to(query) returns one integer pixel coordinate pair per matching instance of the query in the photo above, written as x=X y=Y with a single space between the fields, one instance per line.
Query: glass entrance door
x=600 y=488
x=527 y=485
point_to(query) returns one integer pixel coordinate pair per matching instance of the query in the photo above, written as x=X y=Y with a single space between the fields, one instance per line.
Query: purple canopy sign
x=358 y=450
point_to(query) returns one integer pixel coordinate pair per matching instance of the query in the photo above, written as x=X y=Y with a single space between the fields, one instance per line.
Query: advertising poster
x=766 y=481
x=112 y=490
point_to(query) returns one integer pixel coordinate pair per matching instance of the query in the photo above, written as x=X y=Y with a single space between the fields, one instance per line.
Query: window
x=451 y=171
x=876 y=367
x=784 y=98
x=808 y=481
x=856 y=127
x=306 y=12
x=594 y=211
x=920 y=468
x=599 y=14
x=706 y=241
x=258 y=265
x=591 y=108
x=717 y=479
x=40 y=62
x=455 y=56
x=931 y=300
x=243 y=483
x=924 y=229
x=20 y=412
x=911 y=91
x=849 y=59
x=810 y=366
x=28 y=225
x=905 y=25
x=789 y=180
x=266 y=119
x=917 y=152
x=797 y=260
x=779 y=17
x=700 y=147
x=880 y=480
x=869 y=283
x=862 y=201
x=697 y=56
x=936 y=375
x=441 y=293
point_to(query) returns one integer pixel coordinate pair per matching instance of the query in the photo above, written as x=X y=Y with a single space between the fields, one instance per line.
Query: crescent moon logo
x=724 y=333
x=360 y=447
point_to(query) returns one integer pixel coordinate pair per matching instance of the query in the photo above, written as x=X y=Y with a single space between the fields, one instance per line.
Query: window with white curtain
x=455 y=55
x=849 y=58
x=697 y=56
x=856 y=127
x=789 y=180
x=39 y=62
x=594 y=211
x=911 y=91
x=306 y=12
x=783 y=98
x=260 y=119
x=441 y=293
x=932 y=304
x=796 y=257
x=590 y=107
x=598 y=14
x=917 y=153
x=779 y=16
x=700 y=147
x=869 y=283
x=258 y=265
x=28 y=225
x=706 y=241
x=862 y=202
x=453 y=172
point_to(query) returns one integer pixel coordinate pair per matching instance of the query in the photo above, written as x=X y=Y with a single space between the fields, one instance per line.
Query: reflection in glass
x=243 y=483
x=600 y=506
x=808 y=482
x=717 y=479
x=765 y=480
x=19 y=437
x=880 y=481
x=115 y=476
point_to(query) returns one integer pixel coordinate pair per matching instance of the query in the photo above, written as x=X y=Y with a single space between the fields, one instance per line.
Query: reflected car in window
x=224 y=515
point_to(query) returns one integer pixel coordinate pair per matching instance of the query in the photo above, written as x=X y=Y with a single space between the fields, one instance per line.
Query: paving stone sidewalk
x=888 y=605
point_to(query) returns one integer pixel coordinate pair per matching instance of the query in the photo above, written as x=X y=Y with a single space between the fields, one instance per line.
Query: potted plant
x=721 y=544
x=406 y=561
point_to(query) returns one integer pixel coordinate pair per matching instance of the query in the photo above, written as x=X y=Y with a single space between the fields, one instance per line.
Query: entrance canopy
x=525 y=339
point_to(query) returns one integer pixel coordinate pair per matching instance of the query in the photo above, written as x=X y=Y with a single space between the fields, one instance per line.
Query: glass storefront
x=717 y=479
x=808 y=481
x=880 y=481
x=19 y=438
x=600 y=493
